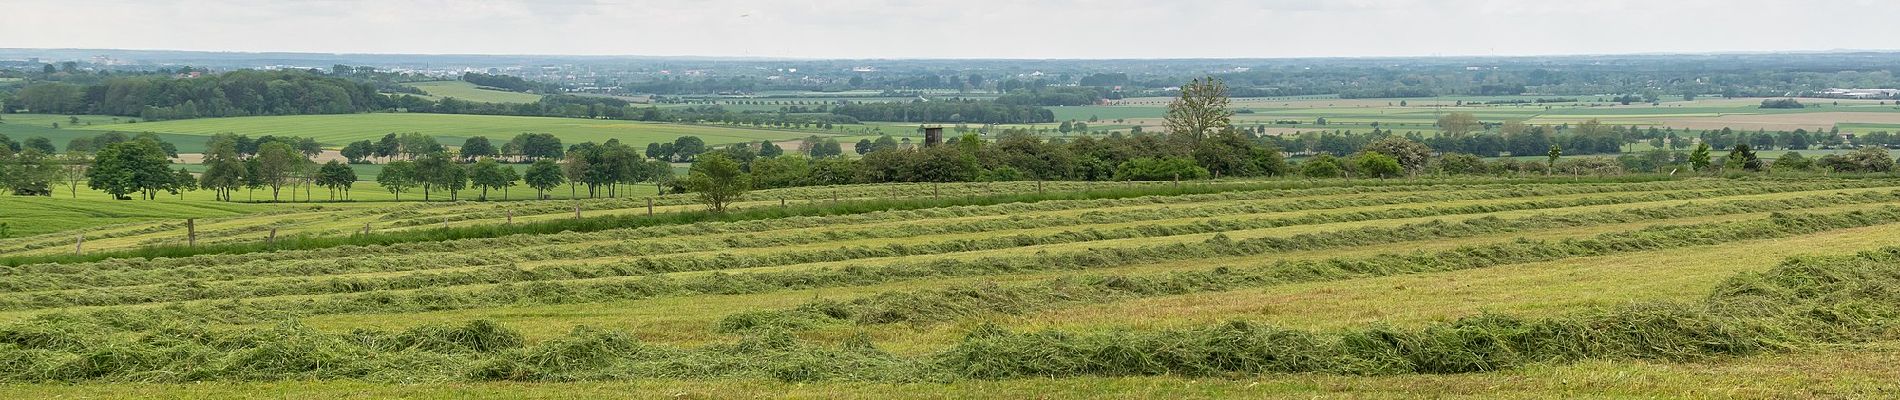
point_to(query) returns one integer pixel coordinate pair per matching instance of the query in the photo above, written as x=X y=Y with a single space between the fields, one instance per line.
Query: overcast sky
x=959 y=28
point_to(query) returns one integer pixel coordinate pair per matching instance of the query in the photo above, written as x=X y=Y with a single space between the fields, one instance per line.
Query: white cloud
x=968 y=28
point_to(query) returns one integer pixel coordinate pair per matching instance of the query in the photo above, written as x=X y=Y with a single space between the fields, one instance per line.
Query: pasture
x=462 y=90
x=1420 y=114
x=340 y=129
x=1533 y=287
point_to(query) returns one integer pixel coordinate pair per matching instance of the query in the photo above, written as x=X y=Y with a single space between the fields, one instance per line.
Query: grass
x=468 y=91
x=1847 y=371
x=987 y=294
x=451 y=129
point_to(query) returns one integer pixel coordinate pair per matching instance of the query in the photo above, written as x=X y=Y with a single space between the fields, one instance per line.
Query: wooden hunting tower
x=933 y=136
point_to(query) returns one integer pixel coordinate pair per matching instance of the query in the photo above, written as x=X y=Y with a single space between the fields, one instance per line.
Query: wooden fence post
x=191 y=232
x=79 y=246
x=577 y=210
x=781 y=202
x=511 y=216
x=649 y=206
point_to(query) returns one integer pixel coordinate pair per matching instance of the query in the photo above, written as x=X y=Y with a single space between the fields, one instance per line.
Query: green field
x=468 y=91
x=1421 y=114
x=1480 y=287
x=337 y=130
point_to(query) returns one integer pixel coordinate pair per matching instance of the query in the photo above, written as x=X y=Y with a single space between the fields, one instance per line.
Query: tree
x=357 y=151
x=1460 y=163
x=1200 y=111
x=387 y=147
x=73 y=170
x=1378 y=165
x=1792 y=161
x=687 y=147
x=1459 y=124
x=1321 y=166
x=508 y=179
x=575 y=169
x=768 y=149
x=718 y=180
x=137 y=166
x=1159 y=169
x=477 y=147
x=182 y=182
x=1742 y=157
x=487 y=174
x=544 y=174
x=433 y=172
x=1865 y=159
x=1411 y=155
x=29 y=173
x=276 y=162
x=337 y=177
x=398 y=177
x=224 y=171
x=1699 y=159
x=1554 y=153
x=41 y=143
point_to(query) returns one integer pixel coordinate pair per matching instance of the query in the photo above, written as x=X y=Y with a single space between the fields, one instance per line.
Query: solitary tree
x=718 y=180
x=1459 y=124
x=1554 y=153
x=1201 y=111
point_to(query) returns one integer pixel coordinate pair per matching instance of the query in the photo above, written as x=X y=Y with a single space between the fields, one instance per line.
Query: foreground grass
x=1859 y=371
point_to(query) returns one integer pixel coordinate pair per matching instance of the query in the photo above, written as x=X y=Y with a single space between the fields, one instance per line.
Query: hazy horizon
x=1110 y=29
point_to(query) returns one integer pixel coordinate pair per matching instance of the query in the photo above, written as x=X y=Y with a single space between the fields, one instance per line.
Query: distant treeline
x=509 y=83
x=300 y=92
x=989 y=112
x=238 y=93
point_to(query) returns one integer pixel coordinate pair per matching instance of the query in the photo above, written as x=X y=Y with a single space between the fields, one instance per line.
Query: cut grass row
x=1805 y=302
x=30 y=282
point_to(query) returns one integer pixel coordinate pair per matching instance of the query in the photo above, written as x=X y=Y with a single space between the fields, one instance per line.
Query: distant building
x=1859 y=93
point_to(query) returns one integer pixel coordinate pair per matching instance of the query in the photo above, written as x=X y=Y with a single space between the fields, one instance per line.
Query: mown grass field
x=1525 y=287
x=463 y=90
